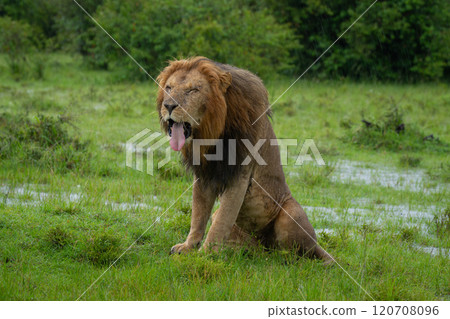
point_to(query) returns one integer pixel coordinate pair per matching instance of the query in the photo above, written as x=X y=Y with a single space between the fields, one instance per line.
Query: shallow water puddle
x=132 y=206
x=23 y=191
x=358 y=172
x=37 y=198
x=434 y=251
x=380 y=214
x=404 y=211
x=327 y=231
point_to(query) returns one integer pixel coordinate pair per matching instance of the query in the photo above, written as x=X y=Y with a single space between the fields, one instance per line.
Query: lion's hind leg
x=292 y=229
x=239 y=238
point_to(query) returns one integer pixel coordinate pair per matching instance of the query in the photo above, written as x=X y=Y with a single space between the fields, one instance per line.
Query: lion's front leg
x=230 y=205
x=202 y=204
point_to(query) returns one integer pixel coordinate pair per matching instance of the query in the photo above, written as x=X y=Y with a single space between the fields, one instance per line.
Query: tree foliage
x=16 y=41
x=398 y=40
x=402 y=40
x=161 y=30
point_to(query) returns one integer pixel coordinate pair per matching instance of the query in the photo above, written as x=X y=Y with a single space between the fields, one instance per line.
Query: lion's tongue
x=177 y=140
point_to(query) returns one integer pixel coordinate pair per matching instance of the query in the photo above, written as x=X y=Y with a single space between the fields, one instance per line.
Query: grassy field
x=69 y=206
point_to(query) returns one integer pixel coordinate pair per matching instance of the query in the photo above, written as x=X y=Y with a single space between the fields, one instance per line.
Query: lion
x=203 y=99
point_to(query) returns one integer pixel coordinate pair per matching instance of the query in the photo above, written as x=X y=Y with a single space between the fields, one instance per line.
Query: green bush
x=390 y=131
x=395 y=40
x=20 y=42
x=59 y=24
x=43 y=141
x=399 y=40
x=404 y=40
x=71 y=24
x=409 y=161
x=39 y=14
x=16 y=42
x=221 y=30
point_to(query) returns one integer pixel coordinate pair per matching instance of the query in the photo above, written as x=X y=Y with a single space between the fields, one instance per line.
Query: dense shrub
x=16 y=41
x=20 y=42
x=43 y=141
x=404 y=40
x=161 y=30
x=57 y=24
x=390 y=131
x=37 y=13
x=395 y=40
x=400 y=39
x=71 y=25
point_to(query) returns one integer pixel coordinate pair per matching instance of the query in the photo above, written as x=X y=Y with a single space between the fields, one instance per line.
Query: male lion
x=203 y=99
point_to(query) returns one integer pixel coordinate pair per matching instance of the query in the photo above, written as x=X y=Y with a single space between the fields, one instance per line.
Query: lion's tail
x=322 y=254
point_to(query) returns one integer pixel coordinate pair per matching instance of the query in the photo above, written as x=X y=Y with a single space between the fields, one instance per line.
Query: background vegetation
x=405 y=40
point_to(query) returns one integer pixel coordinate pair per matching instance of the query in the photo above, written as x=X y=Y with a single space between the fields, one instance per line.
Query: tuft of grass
x=17 y=67
x=440 y=172
x=58 y=238
x=39 y=65
x=140 y=238
x=63 y=210
x=104 y=171
x=391 y=132
x=180 y=223
x=313 y=175
x=101 y=249
x=285 y=107
x=172 y=170
x=408 y=234
x=186 y=208
x=369 y=229
x=38 y=102
x=442 y=223
x=43 y=141
x=346 y=123
x=409 y=161
x=199 y=268
x=328 y=241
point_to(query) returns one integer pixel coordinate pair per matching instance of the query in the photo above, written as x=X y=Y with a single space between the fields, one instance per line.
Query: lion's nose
x=170 y=106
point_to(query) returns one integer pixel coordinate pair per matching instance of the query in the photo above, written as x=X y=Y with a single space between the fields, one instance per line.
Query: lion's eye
x=168 y=88
x=192 y=90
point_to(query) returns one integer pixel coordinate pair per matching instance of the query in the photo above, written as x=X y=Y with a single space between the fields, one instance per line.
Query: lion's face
x=184 y=105
x=191 y=102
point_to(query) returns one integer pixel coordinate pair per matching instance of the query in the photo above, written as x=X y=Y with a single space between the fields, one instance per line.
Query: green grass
x=61 y=225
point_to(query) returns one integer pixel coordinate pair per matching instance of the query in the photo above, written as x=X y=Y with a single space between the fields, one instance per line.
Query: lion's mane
x=231 y=109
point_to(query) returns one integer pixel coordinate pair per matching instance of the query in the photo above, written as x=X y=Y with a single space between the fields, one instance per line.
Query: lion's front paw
x=181 y=248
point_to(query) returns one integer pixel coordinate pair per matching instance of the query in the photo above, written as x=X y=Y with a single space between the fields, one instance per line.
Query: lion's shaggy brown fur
x=230 y=112
x=209 y=100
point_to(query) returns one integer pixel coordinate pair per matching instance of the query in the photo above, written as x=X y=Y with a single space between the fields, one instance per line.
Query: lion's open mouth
x=178 y=132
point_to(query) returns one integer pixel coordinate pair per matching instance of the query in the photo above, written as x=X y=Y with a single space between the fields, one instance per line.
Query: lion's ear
x=225 y=81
